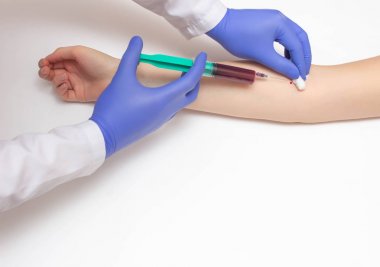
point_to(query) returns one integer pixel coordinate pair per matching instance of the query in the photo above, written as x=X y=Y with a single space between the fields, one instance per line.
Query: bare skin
x=341 y=92
x=78 y=73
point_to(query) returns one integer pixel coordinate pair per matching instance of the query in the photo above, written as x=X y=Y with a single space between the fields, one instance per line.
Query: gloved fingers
x=280 y=64
x=291 y=42
x=172 y=116
x=286 y=53
x=303 y=37
x=130 y=60
x=192 y=95
x=189 y=80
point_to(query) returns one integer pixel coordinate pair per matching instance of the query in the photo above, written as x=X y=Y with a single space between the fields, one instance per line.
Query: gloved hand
x=127 y=111
x=250 y=33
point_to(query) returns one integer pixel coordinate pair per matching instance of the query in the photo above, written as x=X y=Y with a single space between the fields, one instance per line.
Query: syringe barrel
x=234 y=73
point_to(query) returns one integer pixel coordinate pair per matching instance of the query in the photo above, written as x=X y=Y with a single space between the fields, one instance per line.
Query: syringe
x=212 y=69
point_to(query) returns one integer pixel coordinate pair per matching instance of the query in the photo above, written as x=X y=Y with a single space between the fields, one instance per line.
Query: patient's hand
x=78 y=73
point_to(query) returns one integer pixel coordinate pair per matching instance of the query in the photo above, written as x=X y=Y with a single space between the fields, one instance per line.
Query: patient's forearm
x=341 y=92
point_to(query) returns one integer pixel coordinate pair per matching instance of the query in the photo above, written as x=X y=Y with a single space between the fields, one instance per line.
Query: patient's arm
x=341 y=92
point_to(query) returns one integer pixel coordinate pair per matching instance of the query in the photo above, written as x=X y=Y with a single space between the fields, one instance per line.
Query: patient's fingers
x=66 y=93
x=62 y=90
x=43 y=62
x=60 y=77
x=59 y=65
x=46 y=73
x=60 y=54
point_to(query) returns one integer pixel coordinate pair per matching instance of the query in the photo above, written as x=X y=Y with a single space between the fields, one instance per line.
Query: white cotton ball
x=300 y=84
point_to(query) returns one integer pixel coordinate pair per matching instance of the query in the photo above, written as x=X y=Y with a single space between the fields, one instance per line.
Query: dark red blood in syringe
x=234 y=73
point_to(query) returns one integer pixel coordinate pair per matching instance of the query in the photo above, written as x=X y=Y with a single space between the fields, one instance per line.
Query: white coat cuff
x=205 y=17
x=96 y=143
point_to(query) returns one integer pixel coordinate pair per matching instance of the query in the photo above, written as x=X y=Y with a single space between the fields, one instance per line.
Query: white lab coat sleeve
x=32 y=164
x=190 y=17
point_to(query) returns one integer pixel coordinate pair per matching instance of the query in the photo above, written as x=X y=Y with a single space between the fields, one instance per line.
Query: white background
x=204 y=190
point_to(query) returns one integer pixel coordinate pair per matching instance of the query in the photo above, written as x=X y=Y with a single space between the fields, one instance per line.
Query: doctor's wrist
x=109 y=140
x=216 y=32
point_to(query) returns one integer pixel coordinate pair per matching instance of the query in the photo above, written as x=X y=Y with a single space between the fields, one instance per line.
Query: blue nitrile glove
x=250 y=34
x=127 y=111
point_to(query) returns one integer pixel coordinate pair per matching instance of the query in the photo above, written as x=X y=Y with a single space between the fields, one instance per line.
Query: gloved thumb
x=281 y=64
x=130 y=60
